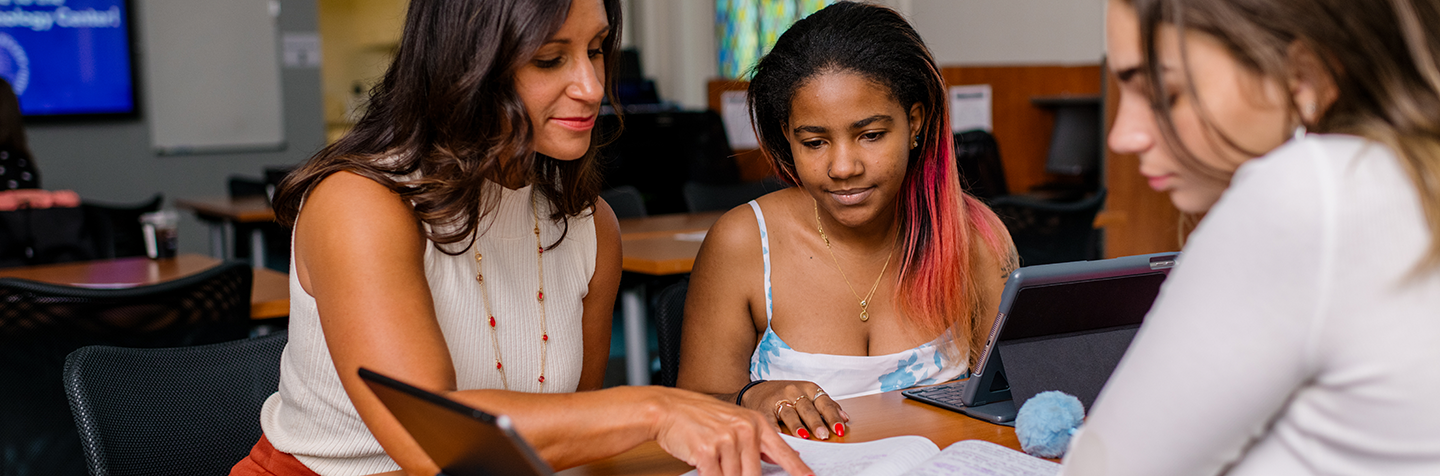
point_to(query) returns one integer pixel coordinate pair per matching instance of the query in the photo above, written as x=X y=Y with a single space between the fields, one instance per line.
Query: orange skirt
x=265 y=460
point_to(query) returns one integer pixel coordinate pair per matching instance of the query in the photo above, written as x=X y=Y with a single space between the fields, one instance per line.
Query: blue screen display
x=67 y=57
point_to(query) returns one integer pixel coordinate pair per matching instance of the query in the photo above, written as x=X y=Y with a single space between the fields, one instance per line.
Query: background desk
x=269 y=295
x=658 y=246
x=871 y=418
x=223 y=213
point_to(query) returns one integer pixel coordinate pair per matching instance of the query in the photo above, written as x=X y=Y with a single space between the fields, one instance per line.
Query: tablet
x=1060 y=327
x=461 y=440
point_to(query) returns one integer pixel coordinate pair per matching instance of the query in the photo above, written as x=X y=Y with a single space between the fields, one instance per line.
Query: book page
x=885 y=457
x=983 y=458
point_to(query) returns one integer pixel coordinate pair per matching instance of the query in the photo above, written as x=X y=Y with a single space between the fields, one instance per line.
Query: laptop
x=1061 y=326
x=461 y=440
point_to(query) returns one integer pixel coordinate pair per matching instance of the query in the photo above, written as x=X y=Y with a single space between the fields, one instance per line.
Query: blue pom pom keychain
x=1046 y=421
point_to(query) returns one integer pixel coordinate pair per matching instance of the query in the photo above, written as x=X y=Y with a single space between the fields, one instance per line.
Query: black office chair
x=977 y=156
x=626 y=201
x=705 y=197
x=41 y=323
x=669 y=315
x=184 y=410
x=1051 y=232
x=36 y=236
x=277 y=238
x=116 y=229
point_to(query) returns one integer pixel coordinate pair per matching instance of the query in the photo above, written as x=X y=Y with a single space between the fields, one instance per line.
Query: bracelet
x=741 y=395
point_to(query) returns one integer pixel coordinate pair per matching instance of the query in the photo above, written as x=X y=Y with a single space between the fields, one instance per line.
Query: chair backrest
x=185 y=410
x=240 y=186
x=706 y=197
x=977 y=156
x=41 y=323
x=1050 y=232
x=116 y=227
x=626 y=201
x=273 y=176
x=669 y=315
x=36 y=236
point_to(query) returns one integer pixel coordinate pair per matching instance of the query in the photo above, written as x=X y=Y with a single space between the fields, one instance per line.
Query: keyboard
x=945 y=395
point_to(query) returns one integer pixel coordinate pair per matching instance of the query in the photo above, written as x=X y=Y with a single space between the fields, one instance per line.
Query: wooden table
x=657 y=245
x=664 y=244
x=269 y=295
x=871 y=418
x=667 y=225
x=222 y=213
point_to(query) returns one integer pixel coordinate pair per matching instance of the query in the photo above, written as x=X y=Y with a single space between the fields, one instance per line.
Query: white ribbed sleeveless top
x=311 y=416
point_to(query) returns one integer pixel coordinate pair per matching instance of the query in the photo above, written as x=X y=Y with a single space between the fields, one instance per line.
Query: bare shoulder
x=345 y=195
x=989 y=261
x=734 y=234
x=607 y=225
x=348 y=218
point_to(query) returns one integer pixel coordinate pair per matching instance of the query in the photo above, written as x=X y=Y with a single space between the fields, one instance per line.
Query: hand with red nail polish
x=799 y=406
x=717 y=437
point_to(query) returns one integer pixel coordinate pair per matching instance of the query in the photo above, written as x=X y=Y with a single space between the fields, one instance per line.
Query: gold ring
x=780 y=405
x=819 y=392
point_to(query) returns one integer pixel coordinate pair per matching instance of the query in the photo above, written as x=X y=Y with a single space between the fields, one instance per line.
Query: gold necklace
x=865 y=301
x=539 y=297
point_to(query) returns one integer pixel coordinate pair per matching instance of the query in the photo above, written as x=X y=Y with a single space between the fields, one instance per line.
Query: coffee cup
x=162 y=232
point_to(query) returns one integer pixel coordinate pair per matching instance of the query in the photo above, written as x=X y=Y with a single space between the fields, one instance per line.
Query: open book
x=912 y=456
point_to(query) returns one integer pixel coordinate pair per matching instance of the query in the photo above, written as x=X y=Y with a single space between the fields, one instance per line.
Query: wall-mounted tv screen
x=68 y=58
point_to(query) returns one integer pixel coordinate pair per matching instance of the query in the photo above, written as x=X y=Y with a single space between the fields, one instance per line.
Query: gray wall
x=1008 y=32
x=676 y=38
x=112 y=160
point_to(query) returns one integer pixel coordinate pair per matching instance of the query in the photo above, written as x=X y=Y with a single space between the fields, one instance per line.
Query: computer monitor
x=658 y=152
x=1075 y=143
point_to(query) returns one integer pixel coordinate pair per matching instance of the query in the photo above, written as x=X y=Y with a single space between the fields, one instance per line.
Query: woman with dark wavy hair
x=455 y=240
x=875 y=272
x=1301 y=330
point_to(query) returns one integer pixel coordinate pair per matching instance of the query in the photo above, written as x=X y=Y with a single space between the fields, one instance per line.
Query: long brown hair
x=447 y=107
x=1379 y=54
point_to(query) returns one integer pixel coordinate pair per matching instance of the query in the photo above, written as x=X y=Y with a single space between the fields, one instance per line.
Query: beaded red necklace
x=539 y=297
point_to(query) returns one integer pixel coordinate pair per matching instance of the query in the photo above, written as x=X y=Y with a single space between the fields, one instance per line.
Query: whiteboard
x=212 y=75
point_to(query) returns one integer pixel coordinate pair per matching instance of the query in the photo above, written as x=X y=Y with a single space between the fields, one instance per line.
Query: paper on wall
x=737 y=121
x=970 y=108
x=302 y=49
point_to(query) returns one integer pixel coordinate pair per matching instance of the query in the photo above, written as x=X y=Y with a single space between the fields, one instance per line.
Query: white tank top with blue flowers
x=844 y=376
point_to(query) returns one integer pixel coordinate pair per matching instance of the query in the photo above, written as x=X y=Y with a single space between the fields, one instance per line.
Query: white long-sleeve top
x=1292 y=338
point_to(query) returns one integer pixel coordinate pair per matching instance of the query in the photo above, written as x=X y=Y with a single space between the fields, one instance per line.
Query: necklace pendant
x=542 y=379
x=864 y=315
x=540 y=296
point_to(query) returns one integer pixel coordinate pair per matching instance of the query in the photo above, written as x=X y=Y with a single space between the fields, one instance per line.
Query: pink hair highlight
x=939 y=223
